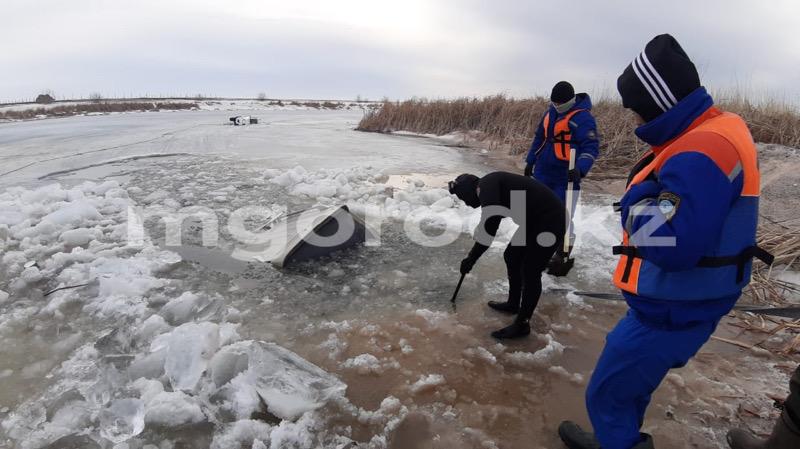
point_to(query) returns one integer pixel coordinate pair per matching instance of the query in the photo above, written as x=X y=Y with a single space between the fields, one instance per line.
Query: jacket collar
x=582 y=101
x=692 y=110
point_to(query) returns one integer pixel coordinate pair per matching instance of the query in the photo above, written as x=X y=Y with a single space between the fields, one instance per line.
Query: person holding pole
x=562 y=153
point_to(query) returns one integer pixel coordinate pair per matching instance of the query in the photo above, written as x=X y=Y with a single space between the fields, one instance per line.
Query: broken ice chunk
x=122 y=420
x=189 y=347
x=229 y=362
x=288 y=384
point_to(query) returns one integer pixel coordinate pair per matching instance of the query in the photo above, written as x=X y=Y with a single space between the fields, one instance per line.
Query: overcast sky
x=343 y=48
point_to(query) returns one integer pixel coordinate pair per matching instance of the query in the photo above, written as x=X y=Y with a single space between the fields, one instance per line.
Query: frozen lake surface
x=163 y=345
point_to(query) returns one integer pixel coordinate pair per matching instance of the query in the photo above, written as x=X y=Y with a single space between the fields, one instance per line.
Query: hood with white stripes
x=658 y=78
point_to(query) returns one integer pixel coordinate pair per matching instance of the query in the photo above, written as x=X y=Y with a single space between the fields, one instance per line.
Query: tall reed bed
x=509 y=123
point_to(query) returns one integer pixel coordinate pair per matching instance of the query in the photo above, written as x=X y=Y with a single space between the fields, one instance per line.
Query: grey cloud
x=466 y=47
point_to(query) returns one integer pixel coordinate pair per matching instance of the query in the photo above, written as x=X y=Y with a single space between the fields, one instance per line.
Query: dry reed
x=509 y=124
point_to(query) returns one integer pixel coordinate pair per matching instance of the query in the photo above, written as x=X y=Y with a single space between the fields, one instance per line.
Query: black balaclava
x=659 y=77
x=562 y=92
x=465 y=187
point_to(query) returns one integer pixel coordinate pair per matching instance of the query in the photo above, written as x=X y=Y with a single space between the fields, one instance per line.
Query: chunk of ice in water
x=189 y=347
x=288 y=384
x=122 y=420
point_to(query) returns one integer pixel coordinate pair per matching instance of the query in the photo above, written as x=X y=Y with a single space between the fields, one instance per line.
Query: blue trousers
x=635 y=360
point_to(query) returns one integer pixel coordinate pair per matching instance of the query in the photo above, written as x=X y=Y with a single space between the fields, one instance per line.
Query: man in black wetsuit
x=540 y=216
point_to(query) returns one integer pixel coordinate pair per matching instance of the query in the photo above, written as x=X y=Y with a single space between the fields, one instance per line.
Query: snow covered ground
x=149 y=344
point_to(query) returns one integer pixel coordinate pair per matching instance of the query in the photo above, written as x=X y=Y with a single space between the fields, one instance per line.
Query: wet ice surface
x=184 y=346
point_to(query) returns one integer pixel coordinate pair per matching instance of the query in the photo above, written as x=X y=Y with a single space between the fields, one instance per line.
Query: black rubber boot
x=576 y=438
x=784 y=436
x=647 y=442
x=505 y=307
x=517 y=329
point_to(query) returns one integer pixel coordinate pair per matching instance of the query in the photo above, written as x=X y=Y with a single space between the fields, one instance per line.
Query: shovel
x=562 y=263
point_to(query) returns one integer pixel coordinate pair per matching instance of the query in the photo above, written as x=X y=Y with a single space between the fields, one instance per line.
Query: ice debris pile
x=121 y=350
x=127 y=350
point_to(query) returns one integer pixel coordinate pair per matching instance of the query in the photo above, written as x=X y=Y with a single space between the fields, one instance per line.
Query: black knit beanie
x=562 y=92
x=659 y=77
x=465 y=188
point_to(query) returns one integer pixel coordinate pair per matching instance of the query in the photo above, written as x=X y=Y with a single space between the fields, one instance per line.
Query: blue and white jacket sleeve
x=538 y=139
x=587 y=145
x=691 y=198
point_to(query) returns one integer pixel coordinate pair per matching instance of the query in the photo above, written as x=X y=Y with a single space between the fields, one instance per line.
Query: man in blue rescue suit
x=567 y=123
x=689 y=220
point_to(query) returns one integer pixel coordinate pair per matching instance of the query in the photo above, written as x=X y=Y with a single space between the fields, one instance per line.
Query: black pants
x=525 y=265
x=792 y=404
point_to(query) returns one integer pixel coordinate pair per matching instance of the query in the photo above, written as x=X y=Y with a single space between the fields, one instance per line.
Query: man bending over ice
x=540 y=216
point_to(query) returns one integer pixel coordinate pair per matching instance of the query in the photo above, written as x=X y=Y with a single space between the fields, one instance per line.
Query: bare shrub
x=46 y=97
x=101 y=107
x=331 y=105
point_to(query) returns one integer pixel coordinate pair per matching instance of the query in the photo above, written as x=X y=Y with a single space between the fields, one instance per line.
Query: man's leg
x=634 y=362
x=534 y=262
x=792 y=404
x=513 y=257
x=785 y=434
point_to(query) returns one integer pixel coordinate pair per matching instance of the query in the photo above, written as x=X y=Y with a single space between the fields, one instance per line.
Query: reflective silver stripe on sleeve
x=633 y=211
x=735 y=172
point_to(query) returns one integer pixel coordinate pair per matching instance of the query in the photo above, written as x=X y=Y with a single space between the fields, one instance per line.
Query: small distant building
x=45 y=99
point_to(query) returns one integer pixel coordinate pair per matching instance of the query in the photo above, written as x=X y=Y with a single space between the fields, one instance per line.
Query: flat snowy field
x=157 y=344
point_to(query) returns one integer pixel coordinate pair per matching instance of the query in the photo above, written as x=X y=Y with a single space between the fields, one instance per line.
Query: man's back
x=540 y=201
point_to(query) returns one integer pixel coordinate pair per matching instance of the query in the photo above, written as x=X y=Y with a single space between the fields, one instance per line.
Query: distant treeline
x=70 y=109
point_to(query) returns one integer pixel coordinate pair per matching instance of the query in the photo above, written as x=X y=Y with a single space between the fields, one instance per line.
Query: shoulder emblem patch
x=668 y=203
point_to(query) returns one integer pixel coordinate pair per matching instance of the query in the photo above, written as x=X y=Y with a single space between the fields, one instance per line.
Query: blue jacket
x=698 y=197
x=547 y=167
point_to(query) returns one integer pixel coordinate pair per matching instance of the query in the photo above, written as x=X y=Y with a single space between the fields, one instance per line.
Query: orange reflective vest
x=726 y=269
x=562 y=135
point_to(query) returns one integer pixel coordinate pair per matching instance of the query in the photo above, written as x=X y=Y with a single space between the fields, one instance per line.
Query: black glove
x=528 y=170
x=574 y=175
x=467 y=264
